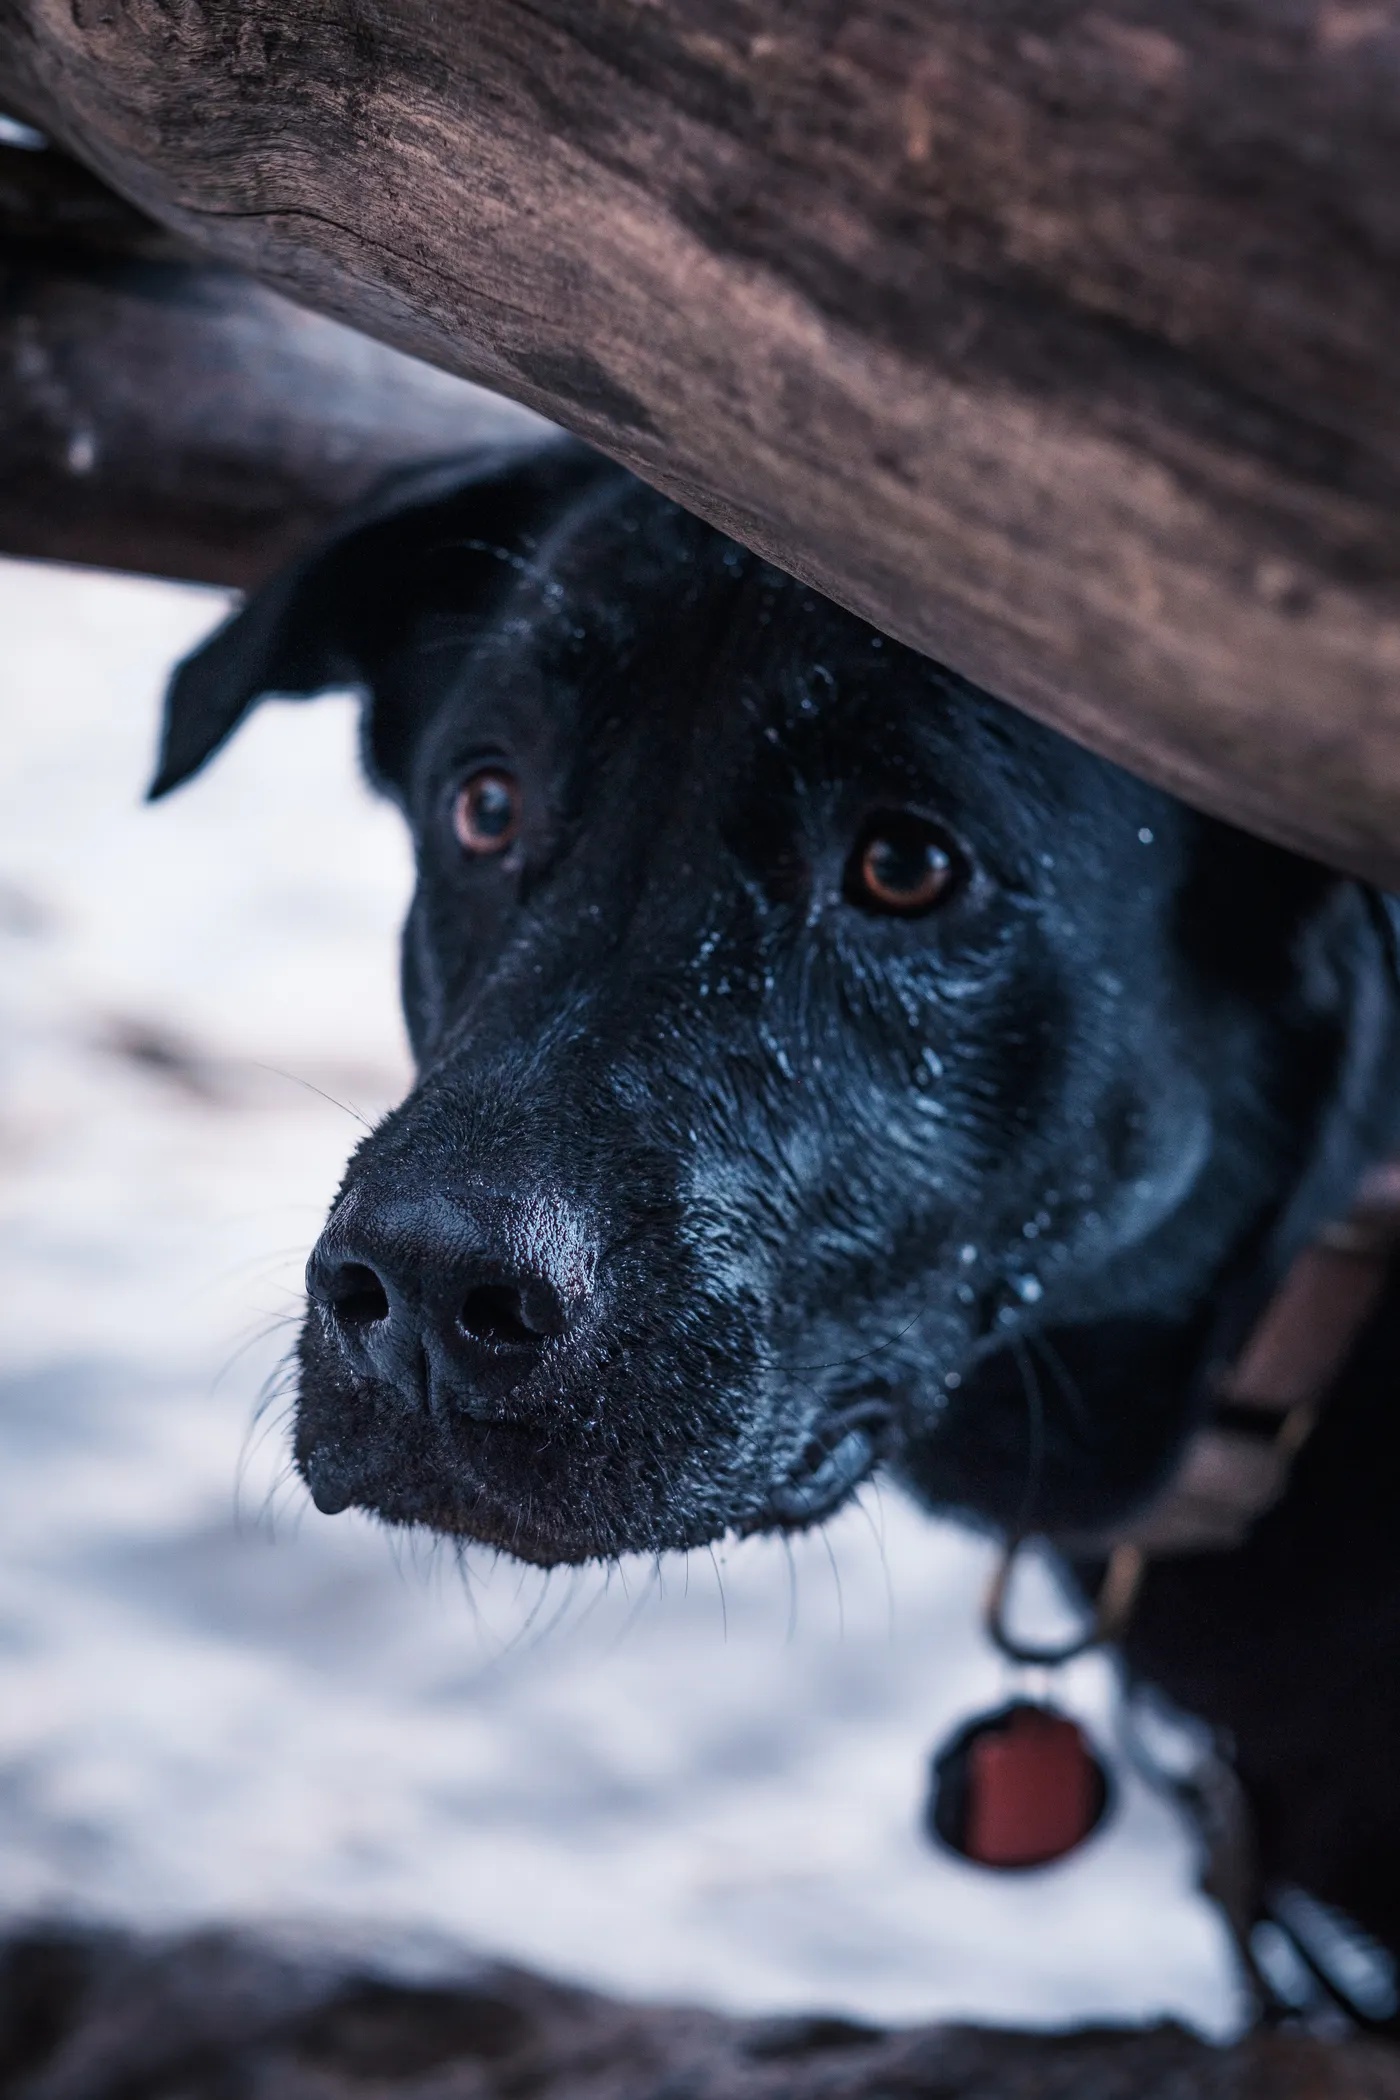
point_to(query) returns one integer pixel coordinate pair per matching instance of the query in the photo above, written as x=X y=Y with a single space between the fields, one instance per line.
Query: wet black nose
x=452 y=1304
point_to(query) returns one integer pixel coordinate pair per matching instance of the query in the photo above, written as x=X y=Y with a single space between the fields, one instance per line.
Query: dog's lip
x=330 y=1483
x=470 y=1511
x=836 y=1459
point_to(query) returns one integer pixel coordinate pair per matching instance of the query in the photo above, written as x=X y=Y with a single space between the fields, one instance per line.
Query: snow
x=702 y=1781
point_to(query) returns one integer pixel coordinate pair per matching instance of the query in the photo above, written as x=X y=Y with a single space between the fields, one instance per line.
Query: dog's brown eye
x=900 y=865
x=487 y=812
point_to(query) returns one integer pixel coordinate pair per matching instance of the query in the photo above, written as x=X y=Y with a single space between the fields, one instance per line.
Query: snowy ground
x=216 y=1703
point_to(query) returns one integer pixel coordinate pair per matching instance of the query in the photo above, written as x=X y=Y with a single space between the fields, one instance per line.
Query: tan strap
x=1232 y=1472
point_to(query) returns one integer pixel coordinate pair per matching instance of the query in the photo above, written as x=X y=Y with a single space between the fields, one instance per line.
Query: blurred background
x=702 y=1780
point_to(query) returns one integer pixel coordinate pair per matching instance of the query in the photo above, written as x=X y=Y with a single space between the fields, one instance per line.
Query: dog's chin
x=479 y=1516
x=494 y=1496
x=553 y=1499
x=540 y=1491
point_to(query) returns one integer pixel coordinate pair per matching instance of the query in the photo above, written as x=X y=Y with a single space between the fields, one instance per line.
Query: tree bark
x=1058 y=339
x=166 y=414
x=105 y=2015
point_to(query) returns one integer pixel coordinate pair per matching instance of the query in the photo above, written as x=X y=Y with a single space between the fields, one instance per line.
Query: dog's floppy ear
x=327 y=621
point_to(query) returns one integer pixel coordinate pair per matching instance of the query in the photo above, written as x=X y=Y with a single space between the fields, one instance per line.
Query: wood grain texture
x=1059 y=339
x=223 y=2015
x=162 y=413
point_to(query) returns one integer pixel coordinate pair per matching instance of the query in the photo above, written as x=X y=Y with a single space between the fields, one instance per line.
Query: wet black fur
x=974 y=1196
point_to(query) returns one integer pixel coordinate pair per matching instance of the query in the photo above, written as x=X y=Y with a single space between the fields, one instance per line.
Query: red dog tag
x=1017 y=1788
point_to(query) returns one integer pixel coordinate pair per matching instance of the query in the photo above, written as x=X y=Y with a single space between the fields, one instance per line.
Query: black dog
x=821 y=1065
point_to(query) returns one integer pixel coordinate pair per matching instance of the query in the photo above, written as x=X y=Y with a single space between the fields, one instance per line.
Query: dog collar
x=1263 y=1409
x=1266 y=1405
x=1024 y=1786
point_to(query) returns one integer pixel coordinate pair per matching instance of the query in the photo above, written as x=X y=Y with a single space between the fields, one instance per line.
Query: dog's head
x=820 y=1063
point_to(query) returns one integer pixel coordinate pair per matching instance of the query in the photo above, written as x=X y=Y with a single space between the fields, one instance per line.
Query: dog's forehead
x=635 y=639
x=630 y=628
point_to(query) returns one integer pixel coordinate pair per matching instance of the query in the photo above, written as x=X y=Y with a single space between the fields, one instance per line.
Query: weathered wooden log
x=101 y=2016
x=1060 y=339
x=163 y=413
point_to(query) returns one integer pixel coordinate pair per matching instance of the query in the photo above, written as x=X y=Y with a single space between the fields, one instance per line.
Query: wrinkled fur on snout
x=974 y=1194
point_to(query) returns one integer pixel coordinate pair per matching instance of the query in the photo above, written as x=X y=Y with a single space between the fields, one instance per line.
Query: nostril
x=495 y=1312
x=356 y=1296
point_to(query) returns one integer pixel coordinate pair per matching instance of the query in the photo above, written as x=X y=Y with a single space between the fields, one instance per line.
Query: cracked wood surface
x=1058 y=340
x=168 y=414
x=235 y=2016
